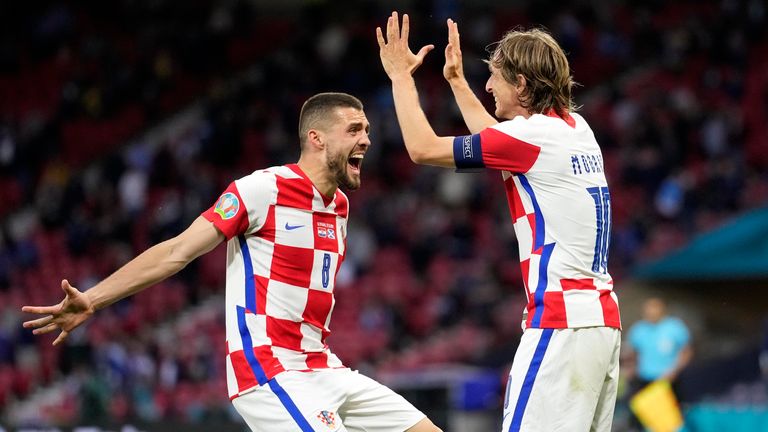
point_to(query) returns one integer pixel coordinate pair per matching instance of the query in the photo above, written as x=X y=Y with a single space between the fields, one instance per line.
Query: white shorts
x=327 y=400
x=563 y=380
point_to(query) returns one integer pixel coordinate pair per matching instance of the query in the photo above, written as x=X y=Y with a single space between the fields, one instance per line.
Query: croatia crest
x=227 y=206
x=328 y=418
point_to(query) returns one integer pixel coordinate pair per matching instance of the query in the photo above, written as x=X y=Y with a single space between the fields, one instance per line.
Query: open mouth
x=355 y=162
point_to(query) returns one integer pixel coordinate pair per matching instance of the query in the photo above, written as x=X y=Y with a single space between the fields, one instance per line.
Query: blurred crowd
x=677 y=95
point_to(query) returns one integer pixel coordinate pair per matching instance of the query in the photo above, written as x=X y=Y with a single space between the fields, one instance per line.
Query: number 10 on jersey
x=603 y=216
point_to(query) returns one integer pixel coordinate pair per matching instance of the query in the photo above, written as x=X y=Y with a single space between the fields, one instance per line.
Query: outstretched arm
x=473 y=111
x=423 y=145
x=153 y=265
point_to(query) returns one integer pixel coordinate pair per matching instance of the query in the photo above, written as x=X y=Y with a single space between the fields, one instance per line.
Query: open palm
x=453 y=68
x=396 y=56
x=66 y=315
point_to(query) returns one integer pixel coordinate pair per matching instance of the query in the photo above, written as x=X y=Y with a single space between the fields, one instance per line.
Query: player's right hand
x=396 y=56
x=67 y=315
x=453 y=68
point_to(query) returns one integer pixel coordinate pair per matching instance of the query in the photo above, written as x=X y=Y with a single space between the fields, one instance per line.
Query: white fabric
x=575 y=386
x=355 y=402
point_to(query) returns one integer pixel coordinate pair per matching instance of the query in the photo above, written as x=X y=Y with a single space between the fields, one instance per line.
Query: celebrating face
x=505 y=94
x=347 y=141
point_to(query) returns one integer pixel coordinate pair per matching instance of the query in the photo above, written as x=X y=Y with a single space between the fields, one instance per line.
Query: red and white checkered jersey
x=286 y=242
x=561 y=209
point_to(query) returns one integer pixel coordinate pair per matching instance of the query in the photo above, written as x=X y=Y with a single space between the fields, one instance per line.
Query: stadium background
x=121 y=121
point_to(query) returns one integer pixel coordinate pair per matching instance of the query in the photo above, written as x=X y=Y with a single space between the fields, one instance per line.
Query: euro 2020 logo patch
x=227 y=206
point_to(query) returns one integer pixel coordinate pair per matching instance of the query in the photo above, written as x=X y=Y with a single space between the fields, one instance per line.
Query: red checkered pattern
x=286 y=244
x=549 y=202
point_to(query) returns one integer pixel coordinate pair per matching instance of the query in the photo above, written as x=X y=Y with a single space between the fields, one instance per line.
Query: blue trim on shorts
x=289 y=405
x=245 y=337
x=530 y=378
x=250 y=285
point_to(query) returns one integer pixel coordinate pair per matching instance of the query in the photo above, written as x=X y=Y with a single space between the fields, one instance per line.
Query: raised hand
x=67 y=315
x=453 y=68
x=396 y=56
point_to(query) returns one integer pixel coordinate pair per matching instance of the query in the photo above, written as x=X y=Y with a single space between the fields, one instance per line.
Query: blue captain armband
x=467 y=153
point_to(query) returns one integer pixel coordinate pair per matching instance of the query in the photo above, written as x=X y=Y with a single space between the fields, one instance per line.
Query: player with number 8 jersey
x=286 y=243
x=286 y=230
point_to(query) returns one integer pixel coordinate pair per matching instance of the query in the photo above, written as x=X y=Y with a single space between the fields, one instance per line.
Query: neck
x=318 y=175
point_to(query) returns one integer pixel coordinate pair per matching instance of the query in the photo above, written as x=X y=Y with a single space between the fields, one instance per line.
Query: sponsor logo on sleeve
x=227 y=206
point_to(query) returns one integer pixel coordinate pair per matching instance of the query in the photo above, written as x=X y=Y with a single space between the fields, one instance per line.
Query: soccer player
x=286 y=228
x=565 y=371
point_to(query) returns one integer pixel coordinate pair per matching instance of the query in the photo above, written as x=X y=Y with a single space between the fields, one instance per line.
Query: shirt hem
x=565 y=325
x=253 y=387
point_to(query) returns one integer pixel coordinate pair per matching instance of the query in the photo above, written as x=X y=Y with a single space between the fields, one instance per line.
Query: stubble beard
x=338 y=167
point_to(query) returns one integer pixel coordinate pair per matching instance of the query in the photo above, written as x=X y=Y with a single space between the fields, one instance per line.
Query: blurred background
x=121 y=121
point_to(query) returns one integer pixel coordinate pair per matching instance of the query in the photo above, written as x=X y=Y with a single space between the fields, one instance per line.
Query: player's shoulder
x=580 y=123
x=538 y=122
x=261 y=178
x=532 y=130
x=518 y=122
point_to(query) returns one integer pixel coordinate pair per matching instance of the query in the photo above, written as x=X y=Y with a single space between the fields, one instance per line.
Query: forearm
x=472 y=110
x=150 y=267
x=416 y=130
x=423 y=145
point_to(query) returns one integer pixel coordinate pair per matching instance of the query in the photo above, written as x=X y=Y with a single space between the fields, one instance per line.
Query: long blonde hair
x=536 y=55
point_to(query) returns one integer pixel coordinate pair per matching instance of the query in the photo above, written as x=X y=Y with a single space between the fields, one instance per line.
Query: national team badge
x=328 y=418
x=227 y=206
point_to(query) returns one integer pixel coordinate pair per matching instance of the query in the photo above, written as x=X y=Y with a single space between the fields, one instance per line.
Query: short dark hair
x=316 y=110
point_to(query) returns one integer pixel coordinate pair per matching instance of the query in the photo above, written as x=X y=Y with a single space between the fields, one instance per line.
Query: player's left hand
x=453 y=69
x=396 y=57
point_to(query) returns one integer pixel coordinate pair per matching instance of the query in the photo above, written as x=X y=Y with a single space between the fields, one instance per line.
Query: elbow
x=418 y=157
x=424 y=152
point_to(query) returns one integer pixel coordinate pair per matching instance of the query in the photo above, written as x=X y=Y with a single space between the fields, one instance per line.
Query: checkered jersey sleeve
x=495 y=147
x=243 y=206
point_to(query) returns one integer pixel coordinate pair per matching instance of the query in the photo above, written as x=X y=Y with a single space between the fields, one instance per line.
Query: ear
x=521 y=83
x=314 y=140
